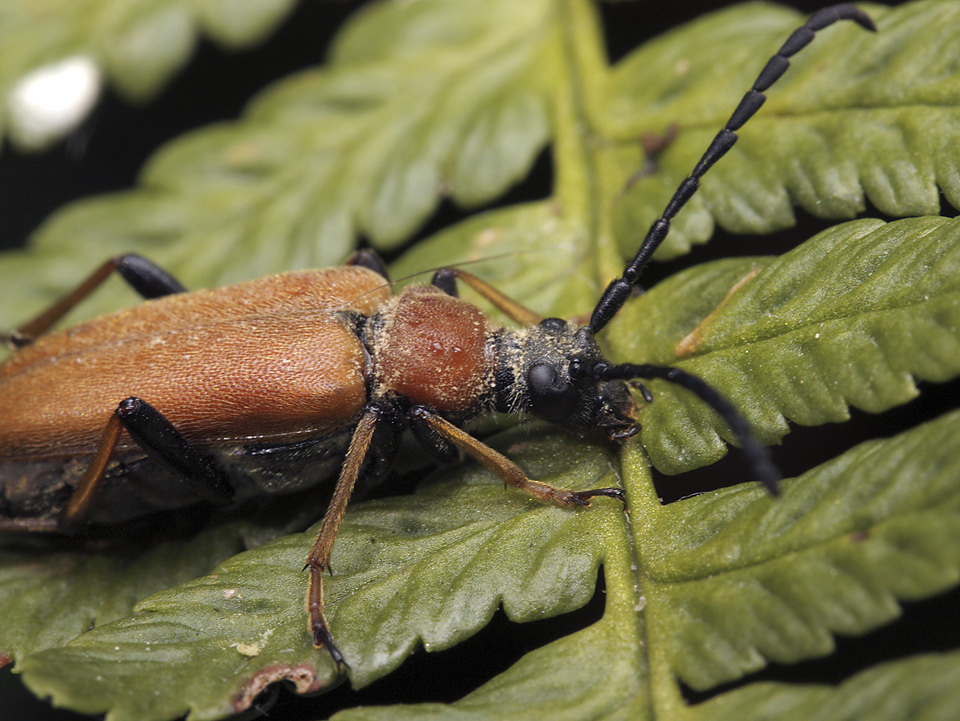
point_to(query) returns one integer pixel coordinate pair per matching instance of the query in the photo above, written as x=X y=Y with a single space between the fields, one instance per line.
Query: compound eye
x=552 y=397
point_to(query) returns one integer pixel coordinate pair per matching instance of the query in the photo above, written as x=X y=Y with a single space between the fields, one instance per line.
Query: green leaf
x=858 y=115
x=519 y=250
x=737 y=579
x=336 y=151
x=730 y=579
x=430 y=569
x=50 y=595
x=437 y=99
x=922 y=688
x=136 y=46
x=726 y=581
x=850 y=317
x=54 y=589
x=588 y=674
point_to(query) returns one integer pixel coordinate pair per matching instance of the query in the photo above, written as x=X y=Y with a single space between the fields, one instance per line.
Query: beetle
x=268 y=386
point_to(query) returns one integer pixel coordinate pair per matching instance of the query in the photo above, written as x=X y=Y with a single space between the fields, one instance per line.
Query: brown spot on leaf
x=5 y=660
x=689 y=345
x=487 y=237
x=859 y=536
x=653 y=145
x=303 y=677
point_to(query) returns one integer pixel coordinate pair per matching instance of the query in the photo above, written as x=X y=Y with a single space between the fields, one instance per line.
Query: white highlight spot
x=52 y=100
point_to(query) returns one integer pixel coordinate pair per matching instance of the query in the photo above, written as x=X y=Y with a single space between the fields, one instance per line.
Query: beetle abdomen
x=134 y=485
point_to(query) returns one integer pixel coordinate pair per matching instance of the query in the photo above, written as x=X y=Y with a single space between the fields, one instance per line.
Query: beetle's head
x=552 y=370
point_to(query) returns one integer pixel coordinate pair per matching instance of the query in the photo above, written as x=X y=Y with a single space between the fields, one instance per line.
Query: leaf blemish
x=653 y=144
x=691 y=342
x=304 y=679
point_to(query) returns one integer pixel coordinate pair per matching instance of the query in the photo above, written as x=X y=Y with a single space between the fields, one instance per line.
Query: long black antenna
x=618 y=291
x=757 y=456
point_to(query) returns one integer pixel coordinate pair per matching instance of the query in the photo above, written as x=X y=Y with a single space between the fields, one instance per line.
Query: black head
x=550 y=370
x=556 y=371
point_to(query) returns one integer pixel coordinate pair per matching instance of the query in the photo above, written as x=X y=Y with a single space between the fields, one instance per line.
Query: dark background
x=106 y=155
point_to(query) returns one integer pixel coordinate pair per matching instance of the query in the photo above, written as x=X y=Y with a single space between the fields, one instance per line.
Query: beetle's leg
x=437 y=445
x=369 y=259
x=509 y=471
x=81 y=500
x=156 y=435
x=149 y=280
x=318 y=559
x=446 y=280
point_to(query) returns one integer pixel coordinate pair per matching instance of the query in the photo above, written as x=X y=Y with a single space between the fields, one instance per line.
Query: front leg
x=446 y=280
x=509 y=471
x=432 y=441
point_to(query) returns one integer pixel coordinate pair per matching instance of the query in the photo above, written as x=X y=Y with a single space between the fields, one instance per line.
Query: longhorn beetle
x=267 y=386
